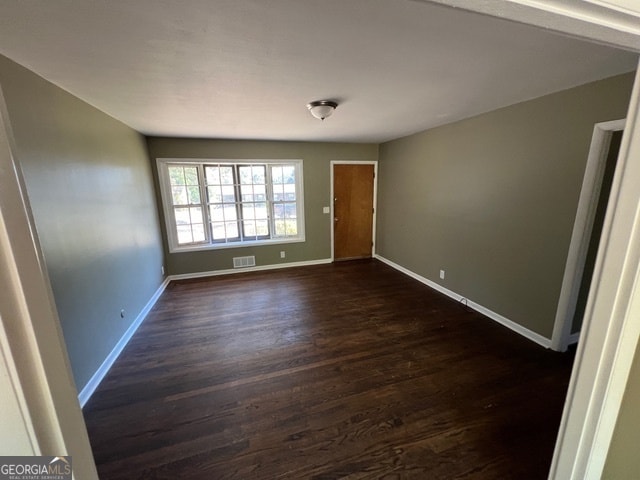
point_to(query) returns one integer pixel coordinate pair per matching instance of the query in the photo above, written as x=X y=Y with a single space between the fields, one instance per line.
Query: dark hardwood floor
x=350 y=370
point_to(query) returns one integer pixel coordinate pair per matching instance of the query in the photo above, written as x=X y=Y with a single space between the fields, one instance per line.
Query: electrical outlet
x=162 y=269
x=282 y=254
x=442 y=274
x=326 y=210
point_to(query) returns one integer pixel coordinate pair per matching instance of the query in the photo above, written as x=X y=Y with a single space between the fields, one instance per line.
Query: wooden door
x=352 y=211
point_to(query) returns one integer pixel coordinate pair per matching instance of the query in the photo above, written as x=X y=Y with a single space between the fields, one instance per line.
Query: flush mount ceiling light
x=322 y=108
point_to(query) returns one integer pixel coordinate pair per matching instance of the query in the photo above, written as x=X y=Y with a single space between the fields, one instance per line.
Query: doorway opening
x=587 y=230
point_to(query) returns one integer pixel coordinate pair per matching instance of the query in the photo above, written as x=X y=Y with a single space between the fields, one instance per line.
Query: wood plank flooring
x=342 y=371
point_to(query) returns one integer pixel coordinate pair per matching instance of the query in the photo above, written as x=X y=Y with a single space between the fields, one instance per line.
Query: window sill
x=222 y=246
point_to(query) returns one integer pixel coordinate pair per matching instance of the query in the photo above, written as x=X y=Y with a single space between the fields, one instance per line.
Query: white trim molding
x=94 y=381
x=582 y=229
x=610 y=22
x=611 y=326
x=259 y=268
x=510 y=324
x=98 y=376
x=574 y=338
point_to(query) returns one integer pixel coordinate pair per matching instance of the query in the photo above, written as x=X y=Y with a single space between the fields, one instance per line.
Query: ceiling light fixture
x=322 y=108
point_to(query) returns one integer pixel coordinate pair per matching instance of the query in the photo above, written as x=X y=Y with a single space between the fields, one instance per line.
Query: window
x=215 y=204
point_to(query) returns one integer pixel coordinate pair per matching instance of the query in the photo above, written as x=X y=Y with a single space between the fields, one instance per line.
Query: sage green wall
x=623 y=461
x=89 y=183
x=492 y=199
x=316 y=166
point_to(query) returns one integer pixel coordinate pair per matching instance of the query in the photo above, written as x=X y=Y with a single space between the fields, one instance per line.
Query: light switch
x=326 y=210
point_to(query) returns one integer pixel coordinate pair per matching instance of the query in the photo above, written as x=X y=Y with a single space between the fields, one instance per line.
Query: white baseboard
x=185 y=276
x=525 y=332
x=573 y=338
x=94 y=381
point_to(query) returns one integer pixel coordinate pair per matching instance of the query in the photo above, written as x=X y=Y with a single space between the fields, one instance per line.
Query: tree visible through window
x=209 y=204
x=284 y=199
x=185 y=196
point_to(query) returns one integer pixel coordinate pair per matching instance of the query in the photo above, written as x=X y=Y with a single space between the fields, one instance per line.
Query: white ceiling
x=247 y=68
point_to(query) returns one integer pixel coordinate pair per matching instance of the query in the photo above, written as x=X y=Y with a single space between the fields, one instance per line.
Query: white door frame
x=375 y=200
x=582 y=228
x=611 y=326
x=31 y=343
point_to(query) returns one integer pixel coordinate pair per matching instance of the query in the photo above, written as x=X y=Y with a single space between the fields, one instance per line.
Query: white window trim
x=167 y=207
